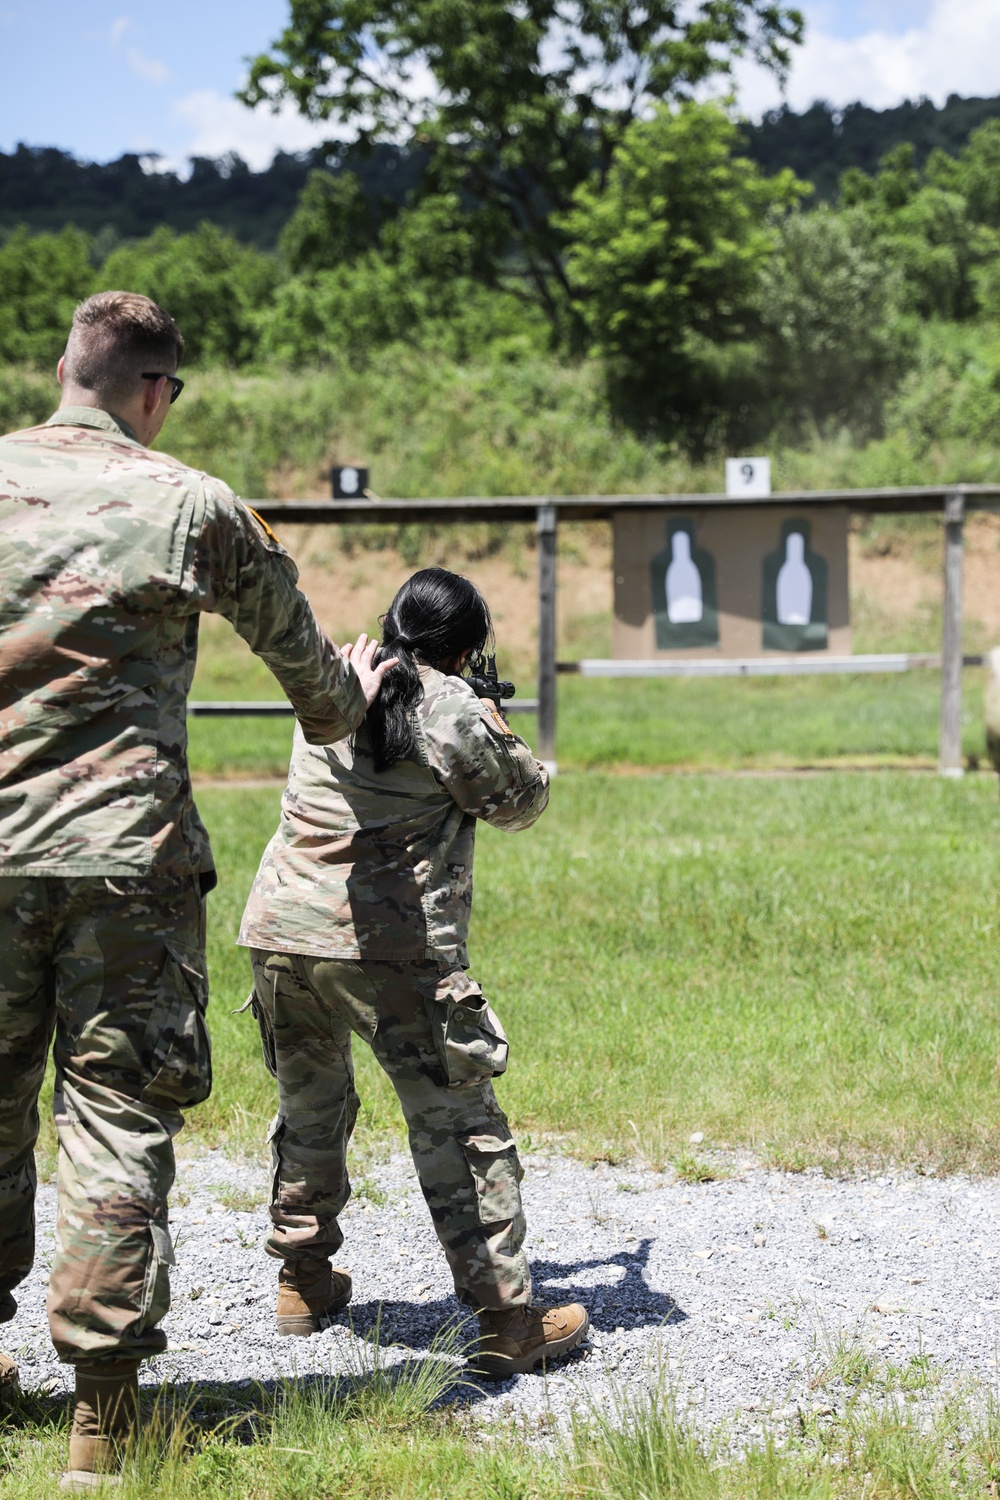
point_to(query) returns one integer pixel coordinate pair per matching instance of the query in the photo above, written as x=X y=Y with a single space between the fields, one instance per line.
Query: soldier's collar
x=91 y=416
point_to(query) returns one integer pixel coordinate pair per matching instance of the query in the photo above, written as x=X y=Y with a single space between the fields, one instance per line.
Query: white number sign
x=749 y=478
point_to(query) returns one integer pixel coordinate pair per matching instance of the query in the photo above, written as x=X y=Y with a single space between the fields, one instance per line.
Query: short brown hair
x=115 y=337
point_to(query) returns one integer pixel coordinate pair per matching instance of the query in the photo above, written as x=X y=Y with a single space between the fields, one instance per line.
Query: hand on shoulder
x=361 y=655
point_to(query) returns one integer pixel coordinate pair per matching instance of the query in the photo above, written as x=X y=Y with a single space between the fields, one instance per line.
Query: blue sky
x=105 y=76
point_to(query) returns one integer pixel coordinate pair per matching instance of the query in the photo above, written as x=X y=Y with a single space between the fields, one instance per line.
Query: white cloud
x=217 y=125
x=954 y=51
x=149 y=69
x=951 y=49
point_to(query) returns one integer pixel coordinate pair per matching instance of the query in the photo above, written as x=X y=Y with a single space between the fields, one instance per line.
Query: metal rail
x=758 y=666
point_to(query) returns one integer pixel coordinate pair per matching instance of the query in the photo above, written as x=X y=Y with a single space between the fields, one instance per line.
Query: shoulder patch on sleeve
x=261 y=523
x=495 y=717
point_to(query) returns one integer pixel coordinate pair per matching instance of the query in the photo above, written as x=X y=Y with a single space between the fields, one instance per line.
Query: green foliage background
x=716 y=304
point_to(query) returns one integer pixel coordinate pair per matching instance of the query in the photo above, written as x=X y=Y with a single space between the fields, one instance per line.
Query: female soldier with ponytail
x=357 y=922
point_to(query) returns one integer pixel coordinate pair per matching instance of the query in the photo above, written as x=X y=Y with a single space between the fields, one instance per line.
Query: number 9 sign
x=748 y=478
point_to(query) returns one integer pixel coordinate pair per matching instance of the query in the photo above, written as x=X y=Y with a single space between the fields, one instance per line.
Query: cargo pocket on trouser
x=259 y=1012
x=176 y=1051
x=156 y=1285
x=496 y=1174
x=469 y=1041
x=487 y=1262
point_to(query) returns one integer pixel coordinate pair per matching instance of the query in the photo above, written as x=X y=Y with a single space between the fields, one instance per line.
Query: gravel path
x=743 y=1288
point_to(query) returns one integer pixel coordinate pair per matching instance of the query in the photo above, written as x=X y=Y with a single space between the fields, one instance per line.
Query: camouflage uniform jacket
x=378 y=865
x=108 y=554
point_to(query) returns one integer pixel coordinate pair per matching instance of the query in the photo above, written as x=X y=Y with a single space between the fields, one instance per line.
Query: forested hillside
x=45 y=188
x=822 y=142
x=582 y=289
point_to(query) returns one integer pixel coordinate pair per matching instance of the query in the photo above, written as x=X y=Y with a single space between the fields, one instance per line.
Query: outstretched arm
x=236 y=567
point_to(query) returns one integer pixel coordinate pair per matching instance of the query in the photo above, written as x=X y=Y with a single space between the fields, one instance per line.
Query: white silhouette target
x=795 y=583
x=685 y=605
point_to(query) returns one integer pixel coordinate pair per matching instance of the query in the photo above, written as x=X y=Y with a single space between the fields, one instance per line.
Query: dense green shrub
x=42 y=277
x=212 y=285
x=27 y=397
x=952 y=392
x=419 y=286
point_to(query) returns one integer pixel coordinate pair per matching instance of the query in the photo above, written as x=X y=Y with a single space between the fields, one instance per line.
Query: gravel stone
x=738 y=1291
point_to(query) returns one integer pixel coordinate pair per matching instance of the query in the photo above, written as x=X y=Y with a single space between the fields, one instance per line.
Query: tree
x=668 y=254
x=835 y=341
x=923 y=226
x=332 y=224
x=978 y=175
x=517 y=105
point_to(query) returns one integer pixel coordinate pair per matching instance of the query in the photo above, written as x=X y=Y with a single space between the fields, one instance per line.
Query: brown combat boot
x=104 y=1419
x=309 y=1293
x=10 y=1382
x=516 y=1339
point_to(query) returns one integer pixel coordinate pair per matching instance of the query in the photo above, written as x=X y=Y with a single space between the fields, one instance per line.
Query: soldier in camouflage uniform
x=110 y=554
x=358 y=921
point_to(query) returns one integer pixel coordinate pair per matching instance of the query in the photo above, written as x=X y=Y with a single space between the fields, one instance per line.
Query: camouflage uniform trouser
x=432 y=1032
x=115 y=967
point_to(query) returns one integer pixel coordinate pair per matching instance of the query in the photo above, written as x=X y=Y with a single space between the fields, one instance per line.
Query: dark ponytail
x=435 y=616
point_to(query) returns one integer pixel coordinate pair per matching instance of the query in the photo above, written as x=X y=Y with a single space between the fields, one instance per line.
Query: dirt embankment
x=902 y=572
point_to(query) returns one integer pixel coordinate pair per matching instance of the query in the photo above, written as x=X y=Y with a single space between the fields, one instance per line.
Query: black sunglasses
x=175 y=381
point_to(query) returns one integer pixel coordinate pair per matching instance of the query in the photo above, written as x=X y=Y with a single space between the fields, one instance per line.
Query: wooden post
x=547 y=636
x=951 y=637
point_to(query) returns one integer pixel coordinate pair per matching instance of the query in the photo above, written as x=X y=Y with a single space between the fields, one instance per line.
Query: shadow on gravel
x=415 y=1325
x=620 y=1301
x=628 y=1301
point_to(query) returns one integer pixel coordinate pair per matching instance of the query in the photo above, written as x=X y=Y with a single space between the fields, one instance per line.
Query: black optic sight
x=484 y=682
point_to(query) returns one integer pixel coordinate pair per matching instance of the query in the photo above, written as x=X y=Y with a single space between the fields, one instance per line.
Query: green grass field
x=705 y=723
x=801 y=965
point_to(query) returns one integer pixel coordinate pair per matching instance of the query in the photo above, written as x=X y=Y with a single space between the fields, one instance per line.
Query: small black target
x=348 y=482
